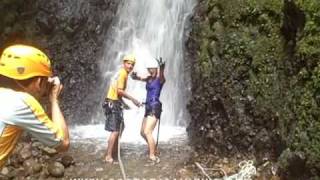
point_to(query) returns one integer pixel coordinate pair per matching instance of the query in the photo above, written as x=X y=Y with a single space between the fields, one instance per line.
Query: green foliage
x=309 y=42
x=270 y=5
x=306 y=104
x=309 y=45
x=250 y=58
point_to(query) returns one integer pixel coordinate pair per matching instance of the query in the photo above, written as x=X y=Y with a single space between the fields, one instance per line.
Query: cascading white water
x=149 y=29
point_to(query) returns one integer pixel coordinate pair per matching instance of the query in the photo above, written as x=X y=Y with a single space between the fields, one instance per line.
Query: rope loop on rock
x=247 y=171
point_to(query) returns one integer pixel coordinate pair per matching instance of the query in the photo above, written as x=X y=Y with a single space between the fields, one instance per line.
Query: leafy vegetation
x=264 y=55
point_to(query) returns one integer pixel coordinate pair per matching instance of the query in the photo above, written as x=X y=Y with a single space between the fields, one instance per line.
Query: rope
x=158 y=135
x=119 y=156
x=203 y=171
x=247 y=170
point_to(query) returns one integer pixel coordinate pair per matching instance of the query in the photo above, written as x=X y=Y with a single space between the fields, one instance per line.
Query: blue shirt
x=153 y=87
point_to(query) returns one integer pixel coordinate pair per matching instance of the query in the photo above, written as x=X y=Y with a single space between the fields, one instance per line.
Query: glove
x=161 y=63
x=134 y=76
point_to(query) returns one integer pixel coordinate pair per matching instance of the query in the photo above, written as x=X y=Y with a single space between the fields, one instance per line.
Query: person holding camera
x=113 y=105
x=153 y=106
x=25 y=78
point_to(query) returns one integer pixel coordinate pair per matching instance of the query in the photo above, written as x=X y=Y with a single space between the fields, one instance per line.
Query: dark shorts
x=153 y=109
x=114 y=115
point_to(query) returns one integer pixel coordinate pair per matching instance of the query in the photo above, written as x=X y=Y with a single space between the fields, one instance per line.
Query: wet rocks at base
x=31 y=159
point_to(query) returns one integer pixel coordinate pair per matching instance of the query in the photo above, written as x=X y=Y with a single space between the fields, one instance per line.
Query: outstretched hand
x=136 y=102
x=134 y=76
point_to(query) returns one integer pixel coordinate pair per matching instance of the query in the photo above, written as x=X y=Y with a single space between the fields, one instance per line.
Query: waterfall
x=149 y=29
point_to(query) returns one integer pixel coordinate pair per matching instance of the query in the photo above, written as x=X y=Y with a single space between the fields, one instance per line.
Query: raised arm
x=57 y=116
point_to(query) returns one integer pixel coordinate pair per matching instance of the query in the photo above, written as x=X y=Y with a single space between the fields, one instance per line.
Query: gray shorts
x=114 y=115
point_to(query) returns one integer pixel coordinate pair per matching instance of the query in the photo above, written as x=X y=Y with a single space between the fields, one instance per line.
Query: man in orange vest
x=25 y=77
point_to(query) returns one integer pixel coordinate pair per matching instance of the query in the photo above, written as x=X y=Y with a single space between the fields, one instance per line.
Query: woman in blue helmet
x=153 y=106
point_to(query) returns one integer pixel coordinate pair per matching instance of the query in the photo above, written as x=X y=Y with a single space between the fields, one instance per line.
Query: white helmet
x=151 y=63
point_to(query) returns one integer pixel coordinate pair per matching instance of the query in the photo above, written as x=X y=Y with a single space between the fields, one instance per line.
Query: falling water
x=150 y=29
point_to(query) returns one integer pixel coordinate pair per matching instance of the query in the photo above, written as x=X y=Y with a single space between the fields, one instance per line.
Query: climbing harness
x=247 y=170
x=119 y=156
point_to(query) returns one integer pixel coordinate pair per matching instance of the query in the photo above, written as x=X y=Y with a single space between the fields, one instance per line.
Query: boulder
x=56 y=169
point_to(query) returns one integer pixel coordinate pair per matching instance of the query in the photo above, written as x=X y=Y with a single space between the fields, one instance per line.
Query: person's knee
x=142 y=133
x=147 y=132
x=115 y=133
x=113 y=136
x=112 y=141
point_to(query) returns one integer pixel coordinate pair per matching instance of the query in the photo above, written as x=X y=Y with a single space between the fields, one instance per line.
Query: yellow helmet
x=23 y=62
x=130 y=57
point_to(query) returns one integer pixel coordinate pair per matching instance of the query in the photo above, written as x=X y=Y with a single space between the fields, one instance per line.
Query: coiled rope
x=247 y=170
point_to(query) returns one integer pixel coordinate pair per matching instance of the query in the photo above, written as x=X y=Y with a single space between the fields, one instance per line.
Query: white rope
x=203 y=171
x=119 y=156
x=247 y=170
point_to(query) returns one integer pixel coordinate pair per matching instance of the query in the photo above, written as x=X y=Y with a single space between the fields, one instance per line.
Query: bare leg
x=113 y=139
x=142 y=129
x=150 y=124
x=115 y=149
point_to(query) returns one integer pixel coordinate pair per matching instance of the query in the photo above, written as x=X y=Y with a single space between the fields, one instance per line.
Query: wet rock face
x=293 y=164
x=72 y=33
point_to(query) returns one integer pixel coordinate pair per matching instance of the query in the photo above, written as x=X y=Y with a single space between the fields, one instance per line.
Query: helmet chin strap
x=23 y=87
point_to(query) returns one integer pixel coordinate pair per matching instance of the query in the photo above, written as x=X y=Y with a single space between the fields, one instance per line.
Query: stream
x=89 y=146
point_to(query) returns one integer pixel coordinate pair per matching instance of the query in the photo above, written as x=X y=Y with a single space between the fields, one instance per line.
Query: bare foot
x=157 y=152
x=154 y=159
x=108 y=160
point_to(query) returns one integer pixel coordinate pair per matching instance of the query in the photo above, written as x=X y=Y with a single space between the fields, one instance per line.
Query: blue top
x=153 y=90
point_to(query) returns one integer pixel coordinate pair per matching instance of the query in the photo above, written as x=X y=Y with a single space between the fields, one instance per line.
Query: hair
x=6 y=82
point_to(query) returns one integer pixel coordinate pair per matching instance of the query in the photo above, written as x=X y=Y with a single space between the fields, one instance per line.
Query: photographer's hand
x=57 y=115
x=56 y=88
